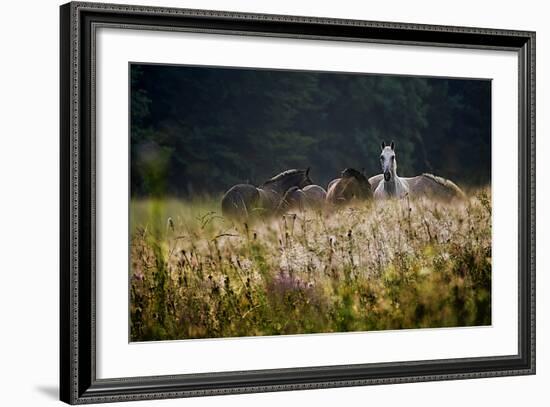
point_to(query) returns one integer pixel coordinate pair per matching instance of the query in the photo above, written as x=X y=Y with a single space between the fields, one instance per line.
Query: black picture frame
x=78 y=382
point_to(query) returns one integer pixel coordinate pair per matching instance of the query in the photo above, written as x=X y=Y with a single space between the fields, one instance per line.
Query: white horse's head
x=388 y=161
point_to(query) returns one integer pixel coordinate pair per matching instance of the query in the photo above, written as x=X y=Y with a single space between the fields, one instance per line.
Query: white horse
x=389 y=184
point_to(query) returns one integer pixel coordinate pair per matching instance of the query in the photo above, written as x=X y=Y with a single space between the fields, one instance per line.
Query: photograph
x=289 y=202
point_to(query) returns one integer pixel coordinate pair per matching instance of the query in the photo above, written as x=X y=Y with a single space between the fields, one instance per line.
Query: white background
x=29 y=205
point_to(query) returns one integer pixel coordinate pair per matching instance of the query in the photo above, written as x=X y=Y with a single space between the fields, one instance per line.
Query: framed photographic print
x=256 y=203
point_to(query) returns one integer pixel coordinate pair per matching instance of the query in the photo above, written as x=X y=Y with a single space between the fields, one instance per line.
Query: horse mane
x=443 y=182
x=353 y=173
x=283 y=175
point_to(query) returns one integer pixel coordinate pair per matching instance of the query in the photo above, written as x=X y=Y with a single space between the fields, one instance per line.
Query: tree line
x=200 y=130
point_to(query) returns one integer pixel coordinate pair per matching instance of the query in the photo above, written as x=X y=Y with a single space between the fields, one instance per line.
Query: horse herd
x=294 y=190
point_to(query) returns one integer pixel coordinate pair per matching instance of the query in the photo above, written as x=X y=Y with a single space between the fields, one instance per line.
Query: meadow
x=398 y=264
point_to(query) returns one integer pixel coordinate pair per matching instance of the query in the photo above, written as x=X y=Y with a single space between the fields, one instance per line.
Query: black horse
x=242 y=201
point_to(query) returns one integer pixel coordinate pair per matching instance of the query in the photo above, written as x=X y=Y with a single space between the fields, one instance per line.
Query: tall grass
x=381 y=265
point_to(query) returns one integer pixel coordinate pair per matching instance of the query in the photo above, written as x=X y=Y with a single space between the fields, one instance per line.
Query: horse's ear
x=307 y=171
x=392 y=145
x=383 y=145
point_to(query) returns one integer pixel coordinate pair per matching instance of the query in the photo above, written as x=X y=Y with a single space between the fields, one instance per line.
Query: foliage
x=202 y=130
x=377 y=266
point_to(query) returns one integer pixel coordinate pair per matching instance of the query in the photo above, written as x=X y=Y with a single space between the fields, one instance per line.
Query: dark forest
x=200 y=130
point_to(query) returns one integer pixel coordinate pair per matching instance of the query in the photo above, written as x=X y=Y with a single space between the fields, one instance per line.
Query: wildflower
x=294 y=258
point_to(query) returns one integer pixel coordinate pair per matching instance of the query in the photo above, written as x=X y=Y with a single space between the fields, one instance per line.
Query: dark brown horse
x=352 y=186
x=242 y=201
